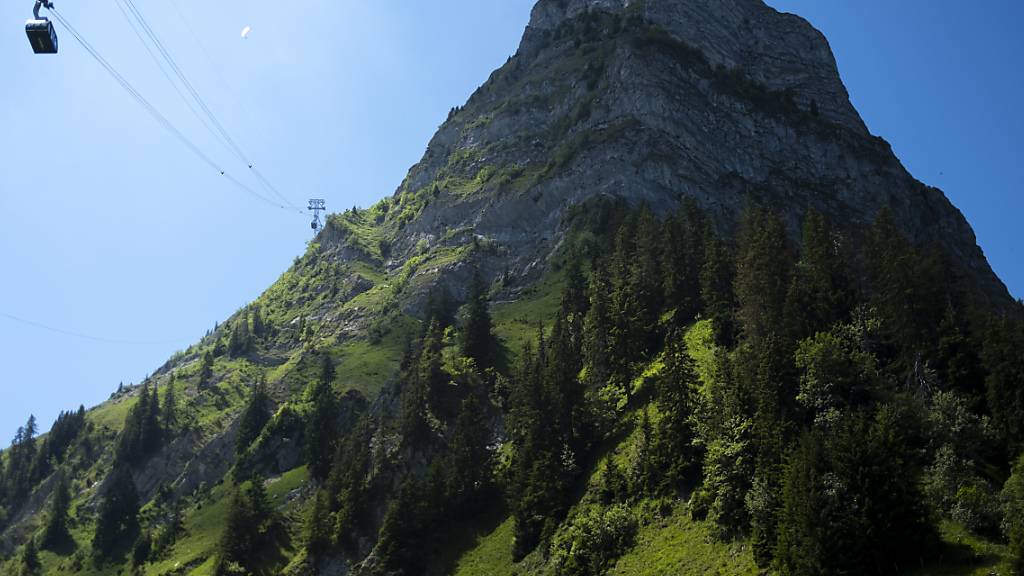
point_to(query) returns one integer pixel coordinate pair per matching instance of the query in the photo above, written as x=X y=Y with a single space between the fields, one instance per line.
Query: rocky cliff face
x=653 y=100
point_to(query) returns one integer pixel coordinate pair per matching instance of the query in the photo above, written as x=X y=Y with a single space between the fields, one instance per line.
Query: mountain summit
x=651 y=101
x=654 y=301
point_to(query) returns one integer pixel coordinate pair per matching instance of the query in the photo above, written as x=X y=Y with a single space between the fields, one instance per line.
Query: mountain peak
x=782 y=51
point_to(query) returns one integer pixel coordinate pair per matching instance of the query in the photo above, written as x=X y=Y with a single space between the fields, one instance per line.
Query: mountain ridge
x=652 y=103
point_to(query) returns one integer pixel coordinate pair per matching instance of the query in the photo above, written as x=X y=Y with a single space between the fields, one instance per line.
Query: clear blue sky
x=110 y=229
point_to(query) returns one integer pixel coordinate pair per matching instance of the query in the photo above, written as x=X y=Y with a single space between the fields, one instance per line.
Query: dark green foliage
x=142 y=550
x=478 y=340
x=820 y=294
x=957 y=361
x=19 y=474
x=66 y=429
x=56 y=531
x=851 y=500
x=206 y=368
x=907 y=288
x=1013 y=514
x=321 y=423
x=635 y=300
x=596 y=327
x=169 y=410
x=249 y=532
x=28 y=561
x=440 y=308
x=835 y=374
x=424 y=392
x=763 y=266
x=254 y=417
x=1004 y=361
x=469 y=464
x=614 y=485
x=118 y=520
x=411 y=535
x=728 y=472
x=142 y=434
x=240 y=341
x=348 y=485
x=575 y=300
x=681 y=257
x=318 y=524
x=543 y=464
x=591 y=541
x=675 y=454
x=716 y=286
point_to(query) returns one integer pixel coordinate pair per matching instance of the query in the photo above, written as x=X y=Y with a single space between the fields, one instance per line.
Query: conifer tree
x=478 y=340
x=28 y=562
x=716 y=286
x=596 y=326
x=118 y=520
x=142 y=434
x=254 y=417
x=819 y=295
x=681 y=257
x=321 y=423
x=248 y=531
x=169 y=411
x=575 y=300
x=56 y=530
x=470 y=460
x=206 y=369
x=675 y=453
x=1004 y=384
x=762 y=274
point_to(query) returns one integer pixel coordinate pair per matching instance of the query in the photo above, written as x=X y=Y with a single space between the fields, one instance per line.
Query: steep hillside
x=653 y=261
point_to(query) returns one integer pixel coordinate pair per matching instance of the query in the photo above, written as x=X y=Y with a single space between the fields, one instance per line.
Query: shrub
x=592 y=540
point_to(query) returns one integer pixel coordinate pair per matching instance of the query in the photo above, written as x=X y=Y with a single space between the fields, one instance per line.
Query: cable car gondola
x=40 y=31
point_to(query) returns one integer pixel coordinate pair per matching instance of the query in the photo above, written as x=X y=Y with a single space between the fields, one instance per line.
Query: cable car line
x=163 y=71
x=160 y=118
x=74 y=334
x=225 y=135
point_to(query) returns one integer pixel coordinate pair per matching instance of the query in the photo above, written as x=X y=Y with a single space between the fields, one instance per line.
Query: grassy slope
x=673 y=544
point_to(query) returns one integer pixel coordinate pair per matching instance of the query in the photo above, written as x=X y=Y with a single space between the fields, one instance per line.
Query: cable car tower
x=316 y=205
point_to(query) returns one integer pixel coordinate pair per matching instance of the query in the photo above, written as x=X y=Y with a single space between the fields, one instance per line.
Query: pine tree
x=762 y=274
x=248 y=531
x=142 y=434
x=318 y=523
x=681 y=257
x=206 y=369
x=56 y=531
x=118 y=521
x=819 y=295
x=170 y=410
x=907 y=288
x=254 y=417
x=1013 y=514
x=478 y=340
x=1004 y=384
x=575 y=302
x=469 y=464
x=716 y=286
x=321 y=423
x=28 y=563
x=239 y=343
x=956 y=358
x=440 y=307
x=675 y=453
x=596 y=326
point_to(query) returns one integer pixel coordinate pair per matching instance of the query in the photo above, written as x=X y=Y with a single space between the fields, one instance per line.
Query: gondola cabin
x=42 y=35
